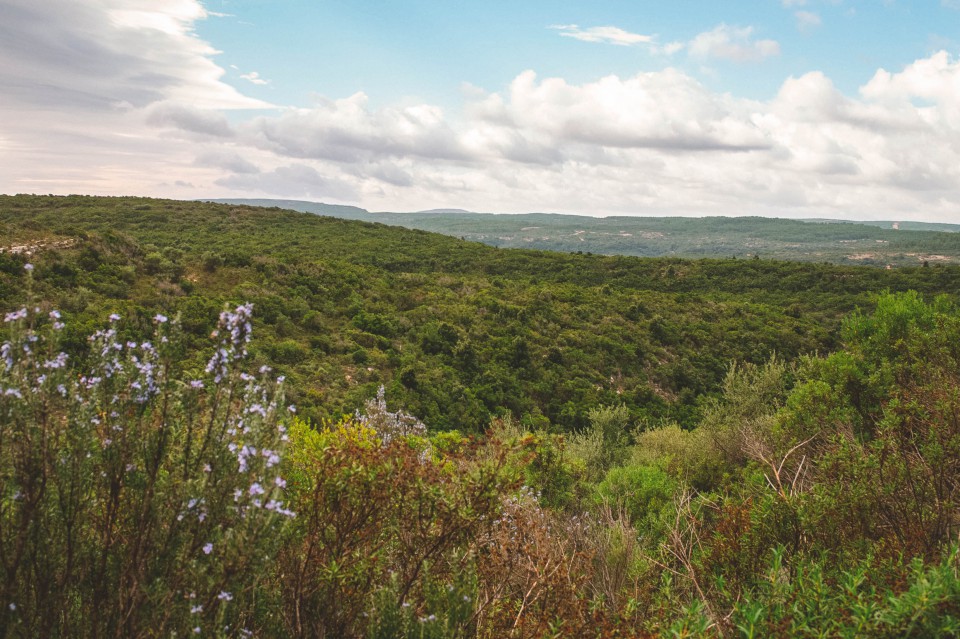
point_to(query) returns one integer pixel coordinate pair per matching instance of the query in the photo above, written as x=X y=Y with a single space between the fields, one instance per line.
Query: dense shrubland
x=457 y=332
x=862 y=243
x=153 y=487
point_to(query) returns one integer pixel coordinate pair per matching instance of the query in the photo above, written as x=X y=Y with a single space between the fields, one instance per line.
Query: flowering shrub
x=135 y=500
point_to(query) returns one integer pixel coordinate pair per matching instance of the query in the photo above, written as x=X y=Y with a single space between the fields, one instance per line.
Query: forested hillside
x=456 y=331
x=236 y=422
x=863 y=243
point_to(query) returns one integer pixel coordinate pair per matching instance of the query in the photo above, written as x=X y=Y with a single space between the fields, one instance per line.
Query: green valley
x=235 y=421
x=457 y=331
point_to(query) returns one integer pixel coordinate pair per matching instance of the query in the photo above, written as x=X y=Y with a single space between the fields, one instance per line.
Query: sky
x=843 y=109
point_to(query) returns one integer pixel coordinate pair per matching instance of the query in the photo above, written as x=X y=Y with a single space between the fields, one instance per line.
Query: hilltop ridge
x=876 y=243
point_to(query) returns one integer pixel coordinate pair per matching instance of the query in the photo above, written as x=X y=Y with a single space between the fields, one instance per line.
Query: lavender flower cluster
x=234 y=330
x=127 y=421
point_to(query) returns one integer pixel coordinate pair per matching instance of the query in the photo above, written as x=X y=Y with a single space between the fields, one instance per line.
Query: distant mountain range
x=879 y=243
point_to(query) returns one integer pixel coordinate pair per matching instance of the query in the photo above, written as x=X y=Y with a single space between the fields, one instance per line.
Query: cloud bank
x=122 y=97
x=653 y=143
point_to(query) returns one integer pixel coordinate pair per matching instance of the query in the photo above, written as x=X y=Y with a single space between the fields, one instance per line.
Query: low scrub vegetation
x=147 y=490
x=458 y=333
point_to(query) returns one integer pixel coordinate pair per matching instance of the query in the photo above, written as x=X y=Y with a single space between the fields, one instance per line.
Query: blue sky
x=425 y=50
x=846 y=109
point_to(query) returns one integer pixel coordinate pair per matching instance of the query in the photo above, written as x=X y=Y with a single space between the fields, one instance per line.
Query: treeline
x=457 y=332
x=716 y=237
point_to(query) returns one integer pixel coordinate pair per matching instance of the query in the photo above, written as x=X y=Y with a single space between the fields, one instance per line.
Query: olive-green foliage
x=796 y=495
x=811 y=599
x=604 y=443
x=741 y=424
x=447 y=613
x=890 y=459
x=385 y=519
x=645 y=493
x=139 y=499
x=869 y=243
x=457 y=332
x=849 y=478
x=689 y=456
x=551 y=473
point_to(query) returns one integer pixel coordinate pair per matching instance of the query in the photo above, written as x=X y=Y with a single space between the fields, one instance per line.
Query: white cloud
x=227 y=160
x=672 y=47
x=655 y=142
x=346 y=130
x=724 y=41
x=607 y=35
x=631 y=113
x=936 y=79
x=793 y=3
x=205 y=122
x=98 y=54
x=807 y=20
x=732 y=43
x=254 y=78
x=82 y=79
x=294 y=180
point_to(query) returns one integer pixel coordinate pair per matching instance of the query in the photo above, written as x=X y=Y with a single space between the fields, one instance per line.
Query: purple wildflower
x=58 y=362
x=15 y=315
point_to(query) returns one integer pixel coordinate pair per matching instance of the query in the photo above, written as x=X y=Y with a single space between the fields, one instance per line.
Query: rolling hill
x=457 y=331
x=866 y=243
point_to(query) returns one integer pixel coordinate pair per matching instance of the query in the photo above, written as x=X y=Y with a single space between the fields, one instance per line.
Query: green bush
x=286 y=352
x=645 y=493
x=604 y=443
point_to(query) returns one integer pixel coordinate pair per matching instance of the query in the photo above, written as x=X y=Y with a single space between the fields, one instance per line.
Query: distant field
x=879 y=243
